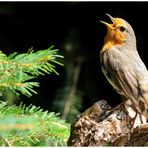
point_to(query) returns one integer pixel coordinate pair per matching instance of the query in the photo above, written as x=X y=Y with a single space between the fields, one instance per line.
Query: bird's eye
x=122 y=29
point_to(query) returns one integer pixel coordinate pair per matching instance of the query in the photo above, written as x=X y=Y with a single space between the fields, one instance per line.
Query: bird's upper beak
x=107 y=24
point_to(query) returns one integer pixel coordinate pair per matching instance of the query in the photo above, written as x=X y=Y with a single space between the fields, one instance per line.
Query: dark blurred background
x=74 y=28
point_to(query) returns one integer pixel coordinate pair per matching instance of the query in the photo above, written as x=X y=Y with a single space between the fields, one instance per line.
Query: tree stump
x=100 y=125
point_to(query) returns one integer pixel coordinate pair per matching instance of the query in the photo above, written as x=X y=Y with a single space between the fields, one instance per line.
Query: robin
x=123 y=67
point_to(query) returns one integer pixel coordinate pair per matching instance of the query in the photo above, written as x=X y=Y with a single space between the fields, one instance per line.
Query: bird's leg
x=141 y=119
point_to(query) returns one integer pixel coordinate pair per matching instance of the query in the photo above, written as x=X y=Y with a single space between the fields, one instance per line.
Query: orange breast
x=112 y=41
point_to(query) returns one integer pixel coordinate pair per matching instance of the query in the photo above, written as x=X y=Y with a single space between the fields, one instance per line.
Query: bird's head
x=119 y=31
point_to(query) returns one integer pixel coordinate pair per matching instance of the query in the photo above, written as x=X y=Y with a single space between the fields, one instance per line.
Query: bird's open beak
x=107 y=24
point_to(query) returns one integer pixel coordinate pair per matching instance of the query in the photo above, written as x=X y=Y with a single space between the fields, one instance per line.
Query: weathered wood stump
x=102 y=126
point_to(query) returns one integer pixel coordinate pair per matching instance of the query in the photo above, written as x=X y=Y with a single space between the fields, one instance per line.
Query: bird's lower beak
x=107 y=24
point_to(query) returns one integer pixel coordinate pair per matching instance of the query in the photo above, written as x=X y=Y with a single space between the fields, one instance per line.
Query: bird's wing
x=122 y=73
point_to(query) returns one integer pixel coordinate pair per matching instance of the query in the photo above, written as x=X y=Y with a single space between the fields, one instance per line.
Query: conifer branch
x=18 y=70
x=31 y=126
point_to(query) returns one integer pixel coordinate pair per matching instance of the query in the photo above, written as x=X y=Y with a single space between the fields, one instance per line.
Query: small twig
x=72 y=91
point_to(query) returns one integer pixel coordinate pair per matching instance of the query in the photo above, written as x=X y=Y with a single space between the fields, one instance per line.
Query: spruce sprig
x=31 y=126
x=18 y=71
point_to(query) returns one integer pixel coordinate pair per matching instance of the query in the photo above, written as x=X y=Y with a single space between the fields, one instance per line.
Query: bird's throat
x=111 y=40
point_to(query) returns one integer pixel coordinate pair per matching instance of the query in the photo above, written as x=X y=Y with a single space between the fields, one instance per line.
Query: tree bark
x=100 y=125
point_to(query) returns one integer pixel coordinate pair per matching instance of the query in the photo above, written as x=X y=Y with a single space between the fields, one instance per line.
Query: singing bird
x=122 y=65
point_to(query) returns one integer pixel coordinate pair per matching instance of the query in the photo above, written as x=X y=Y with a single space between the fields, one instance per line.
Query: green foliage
x=17 y=71
x=28 y=126
x=31 y=126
